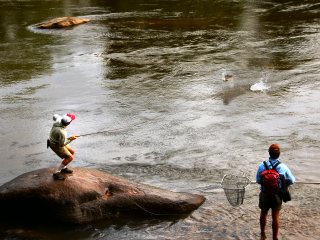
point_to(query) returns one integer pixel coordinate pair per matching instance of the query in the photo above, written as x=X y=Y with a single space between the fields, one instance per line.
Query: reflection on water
x=152 y=69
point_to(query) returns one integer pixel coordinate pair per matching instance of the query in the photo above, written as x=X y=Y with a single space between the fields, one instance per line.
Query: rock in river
x=62 y=22
x=87 y=195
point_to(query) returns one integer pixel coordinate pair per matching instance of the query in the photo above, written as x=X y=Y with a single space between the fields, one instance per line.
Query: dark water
x=154 y=70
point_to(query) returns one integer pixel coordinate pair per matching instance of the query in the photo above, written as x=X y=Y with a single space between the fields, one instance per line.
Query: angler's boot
x=58 y=176
x=66 y=170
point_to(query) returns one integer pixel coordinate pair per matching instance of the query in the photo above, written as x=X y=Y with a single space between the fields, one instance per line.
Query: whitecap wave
x=259 y=86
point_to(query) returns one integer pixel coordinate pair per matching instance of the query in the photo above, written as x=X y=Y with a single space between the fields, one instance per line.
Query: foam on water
x=259 y=86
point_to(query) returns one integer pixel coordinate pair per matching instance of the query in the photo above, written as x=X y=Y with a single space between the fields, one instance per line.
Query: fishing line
x=138 y=205
x=153 y=213
x=217 y=185
x=118 y=129
x=235 y=186
x=158 y=214
x=99 y=132
x=314 y=183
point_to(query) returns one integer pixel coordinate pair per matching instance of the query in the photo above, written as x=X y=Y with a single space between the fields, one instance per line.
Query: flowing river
x=153 y=72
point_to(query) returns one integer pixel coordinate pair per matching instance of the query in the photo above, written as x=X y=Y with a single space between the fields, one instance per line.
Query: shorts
x=62 y=152
x=269 y=201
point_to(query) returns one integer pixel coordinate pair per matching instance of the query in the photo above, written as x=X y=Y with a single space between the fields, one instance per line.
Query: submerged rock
x=87 y=195
x=62 y=22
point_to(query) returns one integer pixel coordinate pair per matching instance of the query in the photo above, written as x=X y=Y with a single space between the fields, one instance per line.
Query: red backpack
x=270 y=179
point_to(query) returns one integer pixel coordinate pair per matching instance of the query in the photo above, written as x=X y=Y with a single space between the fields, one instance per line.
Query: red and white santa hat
x=65 y=119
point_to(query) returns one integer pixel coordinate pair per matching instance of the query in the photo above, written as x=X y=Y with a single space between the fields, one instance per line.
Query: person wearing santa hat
x=59 y=143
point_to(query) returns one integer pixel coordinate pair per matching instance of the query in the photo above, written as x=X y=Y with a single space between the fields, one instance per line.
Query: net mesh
x=234 y=188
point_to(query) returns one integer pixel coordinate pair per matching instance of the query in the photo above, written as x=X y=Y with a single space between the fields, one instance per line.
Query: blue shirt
x=282 y=169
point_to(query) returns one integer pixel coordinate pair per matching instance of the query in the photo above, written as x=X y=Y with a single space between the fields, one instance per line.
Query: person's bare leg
x=62 y=168
x=263 y=223
x=275 y=223
x=64 y=163
x=70 y=149
x=67 y=160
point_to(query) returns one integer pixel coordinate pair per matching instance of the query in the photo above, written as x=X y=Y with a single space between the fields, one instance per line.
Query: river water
x=154 y=71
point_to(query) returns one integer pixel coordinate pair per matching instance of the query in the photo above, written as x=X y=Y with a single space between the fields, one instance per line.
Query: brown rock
x=87 y=195
x=62 y=22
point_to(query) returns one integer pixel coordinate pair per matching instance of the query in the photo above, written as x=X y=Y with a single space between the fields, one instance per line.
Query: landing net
x=234 y=188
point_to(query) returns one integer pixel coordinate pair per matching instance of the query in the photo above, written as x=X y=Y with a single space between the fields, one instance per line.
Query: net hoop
x=234 y=188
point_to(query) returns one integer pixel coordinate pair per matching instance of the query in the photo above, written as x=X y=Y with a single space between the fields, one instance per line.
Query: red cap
x=274 y=148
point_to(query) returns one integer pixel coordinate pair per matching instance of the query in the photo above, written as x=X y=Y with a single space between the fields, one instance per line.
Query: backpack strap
x=272 y=166
x=275 y=166
x=265 y=165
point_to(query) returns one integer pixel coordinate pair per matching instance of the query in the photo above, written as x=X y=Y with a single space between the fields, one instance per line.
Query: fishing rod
x=117 y=129
x=234 y=188
x=99 y=132
x=217 y=184
x=296 y=182
x=315 y=183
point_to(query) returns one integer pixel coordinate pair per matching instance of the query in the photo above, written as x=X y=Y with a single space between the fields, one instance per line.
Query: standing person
x=59 y=143
x=270 y=192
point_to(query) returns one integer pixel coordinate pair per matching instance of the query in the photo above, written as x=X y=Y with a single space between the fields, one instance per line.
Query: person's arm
x=258 y=177
x=70 y=139
x=290 y=179
x=63 y=140
x=66 y=141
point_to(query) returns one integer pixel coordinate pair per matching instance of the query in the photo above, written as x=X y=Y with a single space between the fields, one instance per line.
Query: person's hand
x=74 y=137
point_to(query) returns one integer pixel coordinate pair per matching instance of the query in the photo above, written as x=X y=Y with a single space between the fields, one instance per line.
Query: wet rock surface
x=87 y=195
x=62 y=22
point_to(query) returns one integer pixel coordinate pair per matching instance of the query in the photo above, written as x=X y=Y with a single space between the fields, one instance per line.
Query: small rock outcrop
x=87 y=195
x=62 y=22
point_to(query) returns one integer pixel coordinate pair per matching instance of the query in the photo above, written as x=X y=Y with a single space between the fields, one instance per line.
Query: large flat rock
x=87 y=195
